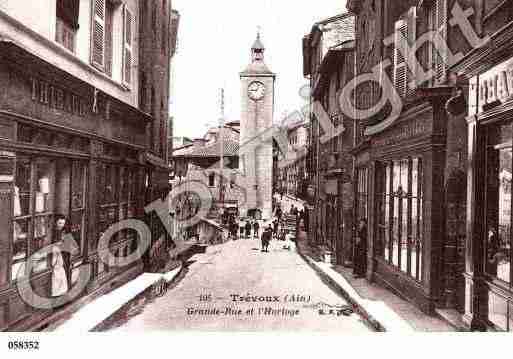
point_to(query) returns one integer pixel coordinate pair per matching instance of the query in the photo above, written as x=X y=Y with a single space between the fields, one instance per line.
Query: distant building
x=257 y=111
x=179 y=142
x=328 y=57
x=292 y=171
x=200 y=162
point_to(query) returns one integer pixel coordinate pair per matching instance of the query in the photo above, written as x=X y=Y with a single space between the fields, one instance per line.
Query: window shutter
x=98 y=34
x=440 y=12
x=400 y=68
x=127 y=46
x=412 y=37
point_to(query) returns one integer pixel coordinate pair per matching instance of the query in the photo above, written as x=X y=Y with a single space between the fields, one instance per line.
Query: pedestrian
x=279 y=213
x=241 y=228
x=61 y=260
x=288 y=241
x=493 y=252
x=256 y=229
x=292 y=208
x=360 y=251
x=234 y=227
x=248 y=229
x=265 y=240
x=275 y=228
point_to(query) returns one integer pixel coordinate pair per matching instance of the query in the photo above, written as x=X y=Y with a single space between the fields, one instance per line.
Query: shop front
x=403 y=186
x=71 y=161
x=489 y=288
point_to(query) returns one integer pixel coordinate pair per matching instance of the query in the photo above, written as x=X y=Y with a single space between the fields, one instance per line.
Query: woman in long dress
x=59 y=278
x=60 y=261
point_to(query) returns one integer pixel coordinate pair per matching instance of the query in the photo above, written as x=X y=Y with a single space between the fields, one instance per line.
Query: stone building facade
x=412 y=170
x=74 y=145
x=328 y=56
x=488 y=294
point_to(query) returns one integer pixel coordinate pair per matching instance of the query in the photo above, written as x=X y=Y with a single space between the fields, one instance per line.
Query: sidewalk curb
x=159 y=284
x=358 y=307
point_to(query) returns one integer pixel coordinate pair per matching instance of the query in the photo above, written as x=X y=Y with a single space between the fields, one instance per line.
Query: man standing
x=256 y=229
x=360 y=251
x=248 y=229
x=266 y=238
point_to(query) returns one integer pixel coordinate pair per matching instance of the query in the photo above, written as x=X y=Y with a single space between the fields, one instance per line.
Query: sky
x=214 y=43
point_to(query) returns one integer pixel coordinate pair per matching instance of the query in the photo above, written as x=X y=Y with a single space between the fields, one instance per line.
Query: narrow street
x=239 y=268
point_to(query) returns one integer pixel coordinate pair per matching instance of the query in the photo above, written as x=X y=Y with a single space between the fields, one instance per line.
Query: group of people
x=249 y=228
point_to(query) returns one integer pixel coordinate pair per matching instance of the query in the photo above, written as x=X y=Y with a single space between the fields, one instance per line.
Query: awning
x=212 y=223
x=157 y=162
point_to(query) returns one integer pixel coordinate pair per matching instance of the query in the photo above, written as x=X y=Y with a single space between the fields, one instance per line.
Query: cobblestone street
x=239 y=268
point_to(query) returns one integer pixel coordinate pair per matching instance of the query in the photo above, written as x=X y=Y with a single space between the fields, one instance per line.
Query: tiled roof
x=230 y=149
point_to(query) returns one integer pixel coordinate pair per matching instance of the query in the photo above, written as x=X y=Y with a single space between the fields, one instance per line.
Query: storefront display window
x=34 y=193
x=399 y=211
x=362 y=194
x=119 y=202
x=499 y=204
x=78 y=204
x=109 y=205
x=498 y=311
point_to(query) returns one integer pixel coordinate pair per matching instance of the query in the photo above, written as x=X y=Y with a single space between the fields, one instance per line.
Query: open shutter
x=98 y=34
x=412 y=38
x=400 y=68
x=127 y=46
x=440 y=12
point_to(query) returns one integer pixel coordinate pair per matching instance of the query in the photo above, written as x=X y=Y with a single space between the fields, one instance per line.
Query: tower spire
x=258 y=48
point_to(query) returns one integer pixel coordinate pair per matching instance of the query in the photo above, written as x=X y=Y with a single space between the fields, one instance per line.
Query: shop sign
x=403 y=131
x=491 y=88
x=52 y=96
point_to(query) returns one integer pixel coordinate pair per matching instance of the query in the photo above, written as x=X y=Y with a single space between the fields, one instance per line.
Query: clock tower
x=256 y=151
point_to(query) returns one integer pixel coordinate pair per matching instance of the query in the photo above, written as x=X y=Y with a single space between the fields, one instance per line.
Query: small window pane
x=20 y=245
x=22 y=188
x=498 y=311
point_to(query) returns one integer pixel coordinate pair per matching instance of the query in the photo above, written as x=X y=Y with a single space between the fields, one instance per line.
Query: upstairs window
x=98 y=34
x=127 y=46
x=437 y=21
x=67 y=23
x=405 y=36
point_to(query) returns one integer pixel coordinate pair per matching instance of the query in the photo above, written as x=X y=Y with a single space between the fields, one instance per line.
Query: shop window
x=34 y=194
x=399 y=211
x=362 y=194
x=499 y=204
x=120 y=188
x=108 y=187
x=78 y=203
x=498 y=311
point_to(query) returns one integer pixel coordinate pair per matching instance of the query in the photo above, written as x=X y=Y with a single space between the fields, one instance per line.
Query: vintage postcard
x=184 y=166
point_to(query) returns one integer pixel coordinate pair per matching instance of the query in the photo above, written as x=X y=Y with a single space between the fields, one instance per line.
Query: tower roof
x=257 y=66
x=258 y=45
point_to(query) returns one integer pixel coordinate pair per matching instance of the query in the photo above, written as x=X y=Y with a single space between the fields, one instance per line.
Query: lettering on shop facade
x=57 y=98
x=493 y=87
x=403 y=131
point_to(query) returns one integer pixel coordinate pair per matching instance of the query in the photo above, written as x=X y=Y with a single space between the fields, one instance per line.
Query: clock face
x=256 y=91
